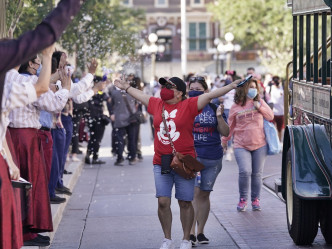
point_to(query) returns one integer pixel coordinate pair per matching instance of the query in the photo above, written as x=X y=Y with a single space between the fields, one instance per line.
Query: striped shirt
x=18 y=92
x=81 y=91
x=28 y=116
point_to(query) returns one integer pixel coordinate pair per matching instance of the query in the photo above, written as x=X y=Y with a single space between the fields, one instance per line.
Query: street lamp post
x=216 y=43
x=151 y=49
x=153 y=38
x=225 y=50
x=229 y=48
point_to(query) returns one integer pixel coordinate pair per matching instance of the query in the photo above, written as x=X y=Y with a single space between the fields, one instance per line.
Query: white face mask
x=252 y=93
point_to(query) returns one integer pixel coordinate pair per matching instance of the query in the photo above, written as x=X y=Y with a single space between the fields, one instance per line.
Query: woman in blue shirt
x=209 y=126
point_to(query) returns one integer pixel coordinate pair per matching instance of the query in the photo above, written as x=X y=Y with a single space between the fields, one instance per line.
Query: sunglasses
x=169 y=85
x=197 y=78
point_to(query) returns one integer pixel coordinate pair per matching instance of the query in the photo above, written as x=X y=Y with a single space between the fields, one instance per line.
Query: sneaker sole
x=241 y=210
x=203 y=242
x=193 y=244
x=256 y=209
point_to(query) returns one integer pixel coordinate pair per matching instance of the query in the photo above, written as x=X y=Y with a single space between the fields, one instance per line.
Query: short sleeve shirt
x=179 y=119
x=206 y=134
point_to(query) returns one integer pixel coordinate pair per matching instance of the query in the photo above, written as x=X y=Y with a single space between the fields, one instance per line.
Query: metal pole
x=228 y=58
x=153 y=66
x=183 y=38
x=217 y=62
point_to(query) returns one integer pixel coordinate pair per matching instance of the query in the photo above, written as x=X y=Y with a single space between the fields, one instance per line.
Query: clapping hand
x=65 y=78
x=93 y=66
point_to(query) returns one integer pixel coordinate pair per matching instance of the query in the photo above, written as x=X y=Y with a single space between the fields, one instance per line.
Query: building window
x=197 y=3
x=161 y=3
x=197 y=36
x=127 y=2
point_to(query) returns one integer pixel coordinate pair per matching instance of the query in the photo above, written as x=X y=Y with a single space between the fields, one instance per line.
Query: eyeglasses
x=197 y=78
x=36 y=63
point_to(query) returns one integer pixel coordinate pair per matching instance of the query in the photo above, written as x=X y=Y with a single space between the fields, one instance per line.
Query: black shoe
x=140 y=158
x=193 y=240
x=202 y=239
x=36 y=242
x=119 y=162
x=57 y=200
x=133 y=161
x=63 y=190
x=97 y=161
x=87 y=160
x=47 y=238
x=67 y=172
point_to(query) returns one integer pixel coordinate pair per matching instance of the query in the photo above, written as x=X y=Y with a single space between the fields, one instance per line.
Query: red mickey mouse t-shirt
x=179 y=119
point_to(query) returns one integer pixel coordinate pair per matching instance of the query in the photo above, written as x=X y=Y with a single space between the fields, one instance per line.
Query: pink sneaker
x=255 y=205
x=241 y=207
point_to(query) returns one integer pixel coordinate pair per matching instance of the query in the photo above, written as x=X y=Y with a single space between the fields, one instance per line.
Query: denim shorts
x=209 y=173
x=184 y=189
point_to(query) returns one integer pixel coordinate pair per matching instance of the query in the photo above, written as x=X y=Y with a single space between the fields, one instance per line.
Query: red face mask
x=166 y=94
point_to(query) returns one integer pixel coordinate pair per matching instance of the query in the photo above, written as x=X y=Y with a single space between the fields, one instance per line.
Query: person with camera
x=209 y=126
x=179 y=114
x=122 y=107
x=97 y=121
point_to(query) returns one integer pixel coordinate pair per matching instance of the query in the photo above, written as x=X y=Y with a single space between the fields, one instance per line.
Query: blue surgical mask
x=194 y=93
x=252 y=93
x=39 y=69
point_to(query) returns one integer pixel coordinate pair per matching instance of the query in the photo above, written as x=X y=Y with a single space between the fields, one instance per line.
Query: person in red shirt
x=180 y=114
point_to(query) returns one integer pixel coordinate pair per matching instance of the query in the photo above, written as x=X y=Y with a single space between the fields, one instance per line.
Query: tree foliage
x=265 y=25
x=102 y=27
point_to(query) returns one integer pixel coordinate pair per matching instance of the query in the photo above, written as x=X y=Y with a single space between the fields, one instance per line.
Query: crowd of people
x=43 y=111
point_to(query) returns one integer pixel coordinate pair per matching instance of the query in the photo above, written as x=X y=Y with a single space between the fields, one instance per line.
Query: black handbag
x=105 y=120
x=137 y=117
x=134 y=118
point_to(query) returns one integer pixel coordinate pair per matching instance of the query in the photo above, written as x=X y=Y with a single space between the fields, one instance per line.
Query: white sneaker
x=228 y=156
x=185 y=244
x=167 y=244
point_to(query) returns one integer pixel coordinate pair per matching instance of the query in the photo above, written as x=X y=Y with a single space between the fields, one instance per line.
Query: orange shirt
x=246 y=125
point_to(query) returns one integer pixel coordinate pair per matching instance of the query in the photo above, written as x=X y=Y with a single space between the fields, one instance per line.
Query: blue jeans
x=184 y=189
x=59 y=138
x=251 y=165
x=209 y=173
x=119 y=134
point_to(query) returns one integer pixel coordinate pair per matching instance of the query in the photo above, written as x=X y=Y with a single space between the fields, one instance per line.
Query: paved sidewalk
x=114 y=207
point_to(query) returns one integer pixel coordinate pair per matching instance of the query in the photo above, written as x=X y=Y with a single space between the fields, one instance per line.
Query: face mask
x=252 y=92
x=166 y=94
x=194 y=93
x=39 y=69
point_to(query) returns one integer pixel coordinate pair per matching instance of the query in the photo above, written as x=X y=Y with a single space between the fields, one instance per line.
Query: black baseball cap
x=180 y=85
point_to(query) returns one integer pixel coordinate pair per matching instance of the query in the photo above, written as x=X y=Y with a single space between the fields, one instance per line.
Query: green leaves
x=101 y=28
x=265 y=25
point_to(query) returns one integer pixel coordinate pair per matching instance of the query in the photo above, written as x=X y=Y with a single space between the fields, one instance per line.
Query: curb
x=58 y=209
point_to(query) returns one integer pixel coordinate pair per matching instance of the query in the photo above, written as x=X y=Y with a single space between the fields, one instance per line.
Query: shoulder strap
x=166 y=130
x=127 y=103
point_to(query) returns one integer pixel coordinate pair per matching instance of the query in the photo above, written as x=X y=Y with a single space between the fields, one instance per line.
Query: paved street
x=114 y=207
